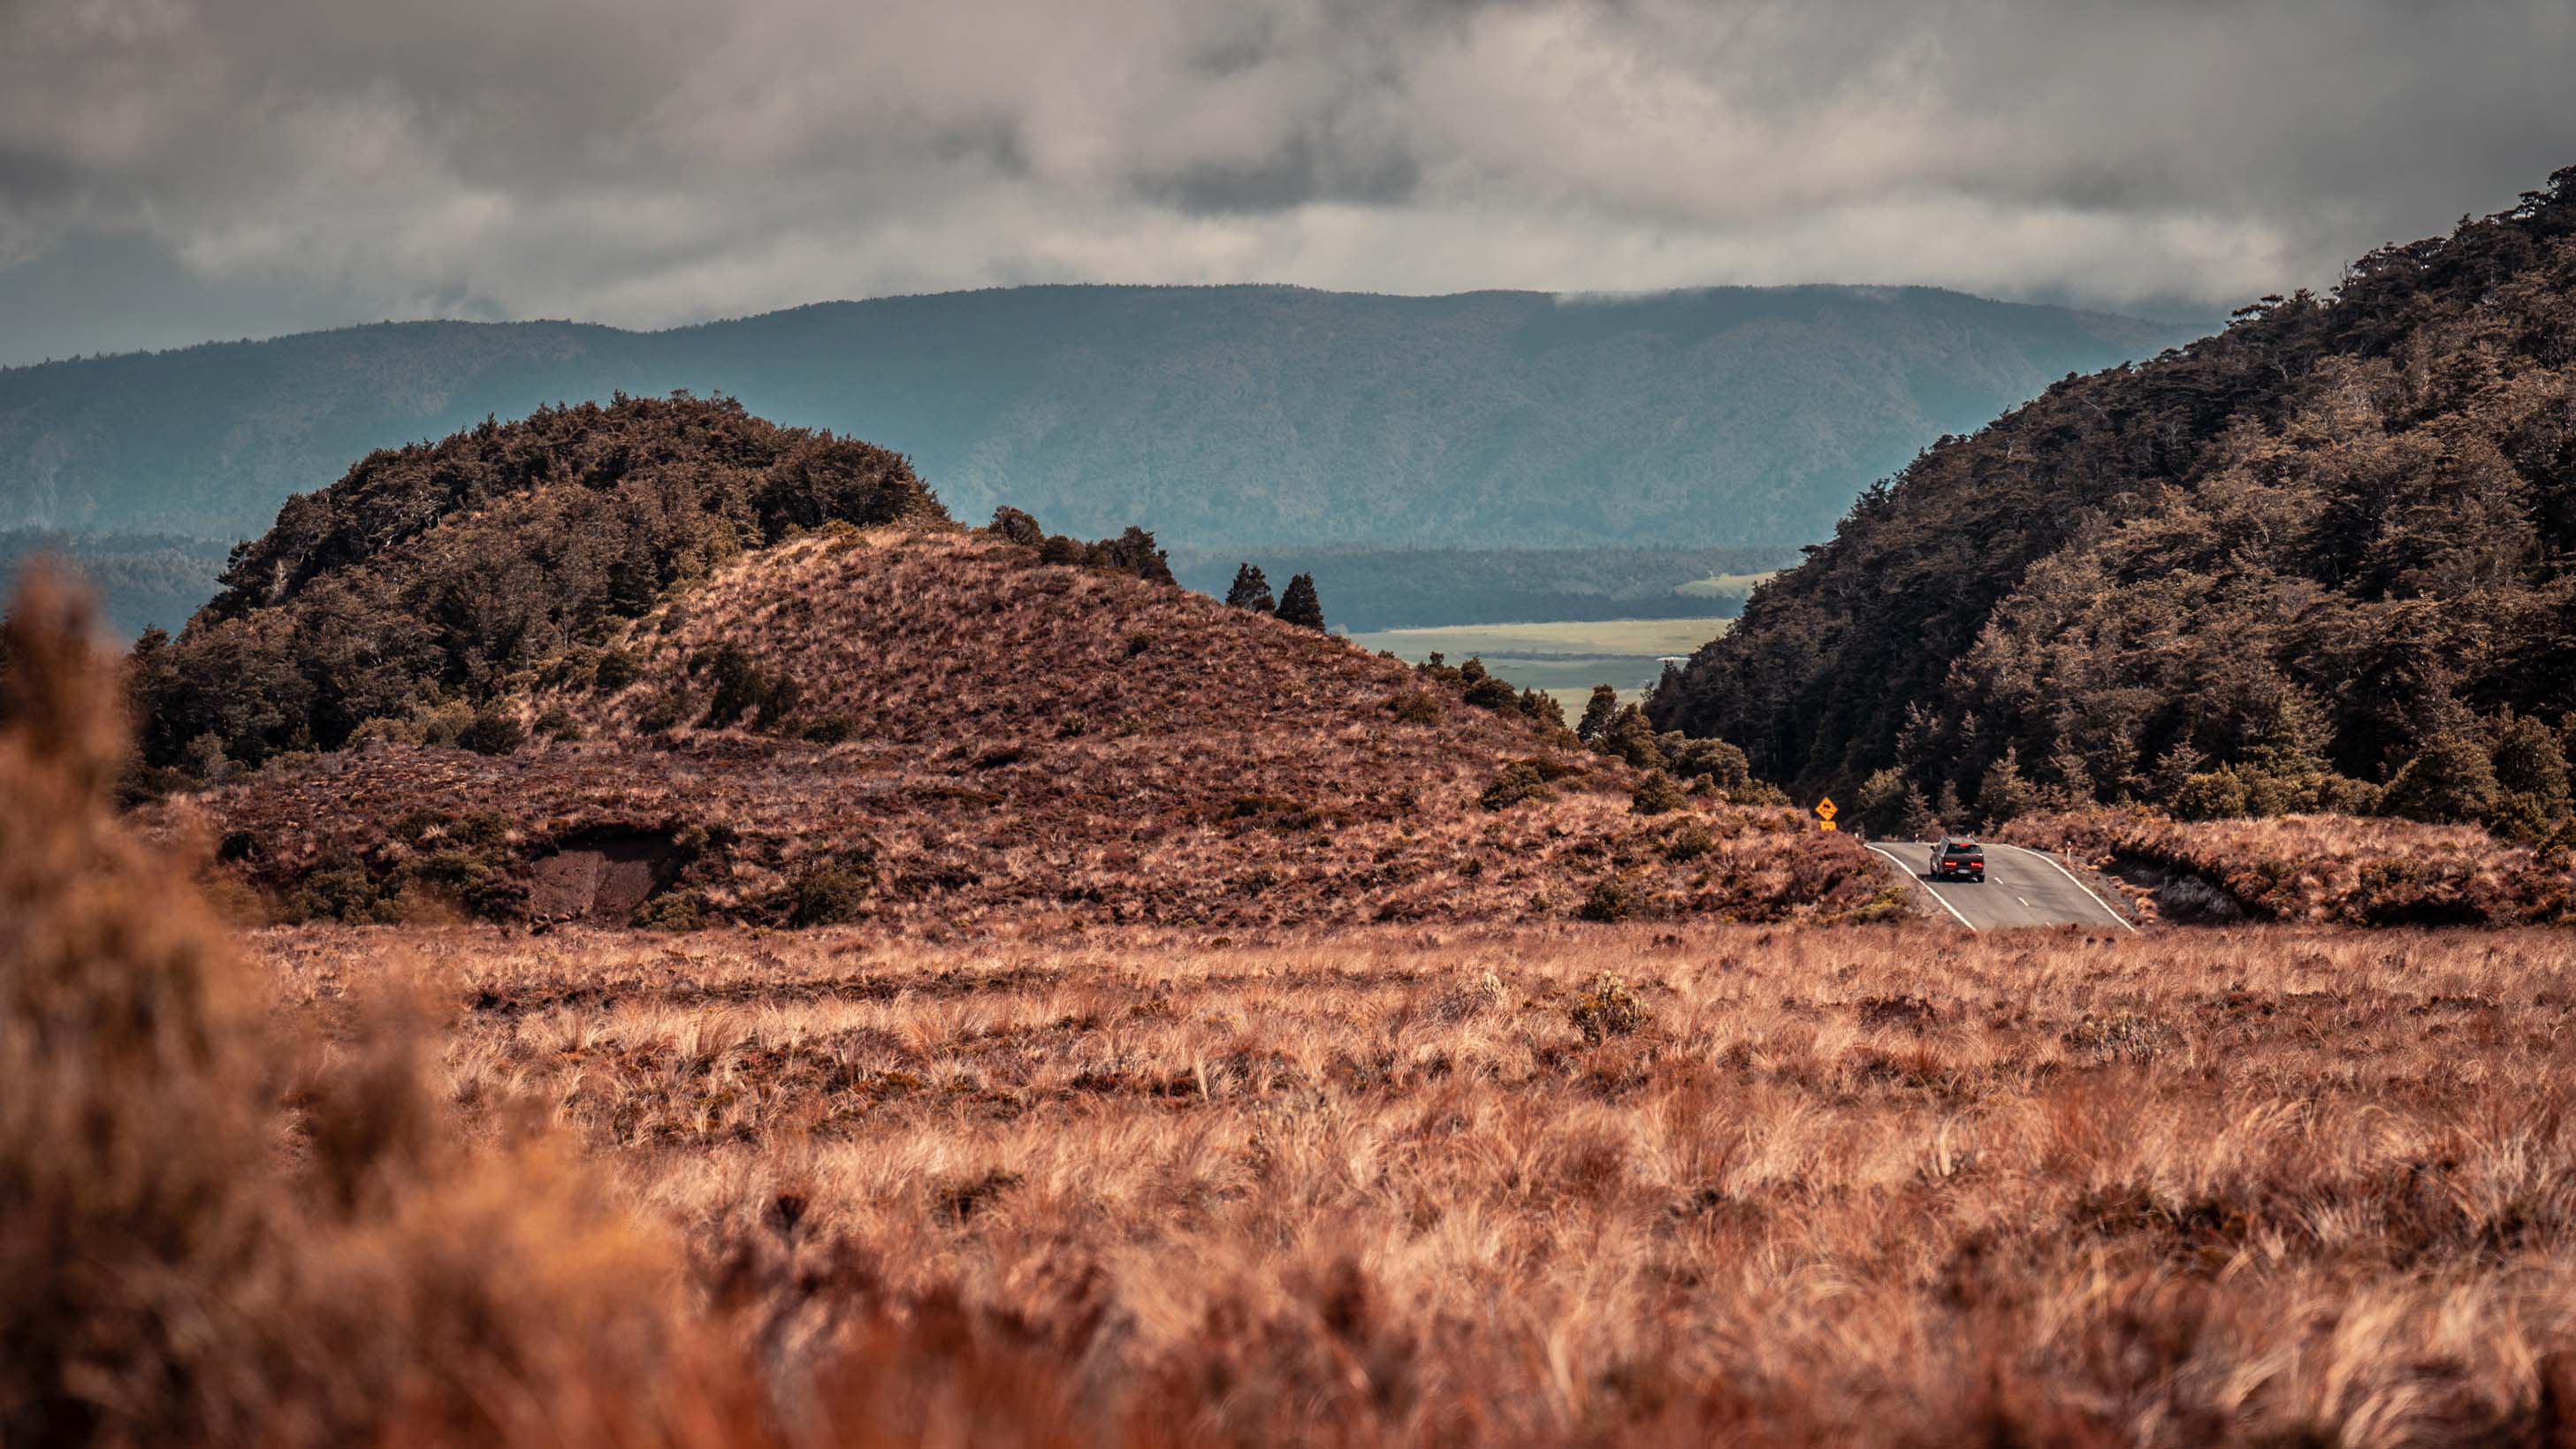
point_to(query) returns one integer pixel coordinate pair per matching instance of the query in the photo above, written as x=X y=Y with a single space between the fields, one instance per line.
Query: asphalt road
x=2021 y=888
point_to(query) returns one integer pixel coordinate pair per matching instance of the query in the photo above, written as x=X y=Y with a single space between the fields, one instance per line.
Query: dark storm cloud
x=651 y=161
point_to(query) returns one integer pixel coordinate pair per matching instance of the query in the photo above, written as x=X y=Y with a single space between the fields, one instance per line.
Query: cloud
x=654 y=161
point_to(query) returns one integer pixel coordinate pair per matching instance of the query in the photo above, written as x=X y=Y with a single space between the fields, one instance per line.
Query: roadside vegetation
x=2317 y=868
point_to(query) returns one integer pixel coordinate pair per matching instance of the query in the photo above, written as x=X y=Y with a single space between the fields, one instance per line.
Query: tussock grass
x=1602 y=1184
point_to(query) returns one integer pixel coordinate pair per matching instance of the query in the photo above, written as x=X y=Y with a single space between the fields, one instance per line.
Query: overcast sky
x=173 y=170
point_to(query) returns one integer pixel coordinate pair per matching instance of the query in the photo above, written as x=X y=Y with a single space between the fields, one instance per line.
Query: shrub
x=1489 y=692
x=744 y=689
x=1689 y=844
x=1514 y=783
x=1058 y=549
x=1414 y=706
x=1134 y=552
x=485 y=826
x=1657 y=795
x=494 y=731
x=1715 y=761
x=2343 y=795
x=616 y=669
x=1607 y=1007
x=188 y=1259
x=2212 y=795
x=679 y=911
x=827 y=895
x=663 y=712
x=831 y=729
x=1610 y=900
x=343 y=892
x=1878 y=806
x=443 y=725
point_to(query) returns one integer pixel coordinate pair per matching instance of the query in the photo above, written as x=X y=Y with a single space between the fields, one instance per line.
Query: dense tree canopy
x=2314 y=562
x=436 y=572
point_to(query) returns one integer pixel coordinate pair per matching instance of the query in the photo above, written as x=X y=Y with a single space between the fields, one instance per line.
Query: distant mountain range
x=1222 y=418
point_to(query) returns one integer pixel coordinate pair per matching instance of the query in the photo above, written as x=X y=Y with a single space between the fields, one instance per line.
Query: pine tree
x=1251 y=591
x=1300 y=605
x=1598 y=713
x=2003 y=792
x=2174 y=770
x=1916 y=821
x=2292 y=745
x=1952 y=812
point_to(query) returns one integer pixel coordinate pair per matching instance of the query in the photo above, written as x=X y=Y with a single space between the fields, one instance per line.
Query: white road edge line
x=2125 y=923
x=1930 y=889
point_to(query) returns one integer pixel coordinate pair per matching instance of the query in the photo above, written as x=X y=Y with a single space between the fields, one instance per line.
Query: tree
x=1716 y=761
x=2003 y=792
x=1631 y=737
x=1878 y=807
x=1597 y=713
x=2529 y=760
x=2174 y=770
x=1656 y=795
x=1017 y=527
x=2451 y=781
x=1251 y=591
x=1917 y=821
x=1136 y=552
x=1300 y=605
x=1542 y=709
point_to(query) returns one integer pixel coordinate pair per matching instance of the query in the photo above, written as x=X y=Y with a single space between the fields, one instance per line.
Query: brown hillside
x=940 y=730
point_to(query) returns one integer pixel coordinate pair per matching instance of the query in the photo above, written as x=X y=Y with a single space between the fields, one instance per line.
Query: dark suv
x=1955 y=859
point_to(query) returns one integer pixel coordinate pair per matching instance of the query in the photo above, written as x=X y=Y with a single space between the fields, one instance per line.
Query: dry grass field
x=1575 y=1184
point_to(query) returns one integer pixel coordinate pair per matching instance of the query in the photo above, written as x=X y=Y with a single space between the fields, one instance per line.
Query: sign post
x=1825 y=812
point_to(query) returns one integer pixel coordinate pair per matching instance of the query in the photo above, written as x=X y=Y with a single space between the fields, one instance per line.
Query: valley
x=1562 y=658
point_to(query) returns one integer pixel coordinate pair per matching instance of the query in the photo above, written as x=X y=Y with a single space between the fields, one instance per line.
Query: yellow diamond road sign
x=1825 y=808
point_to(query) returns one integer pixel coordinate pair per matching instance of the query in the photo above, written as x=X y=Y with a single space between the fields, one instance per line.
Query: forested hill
x=1228 y=417
x=2322 y=559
